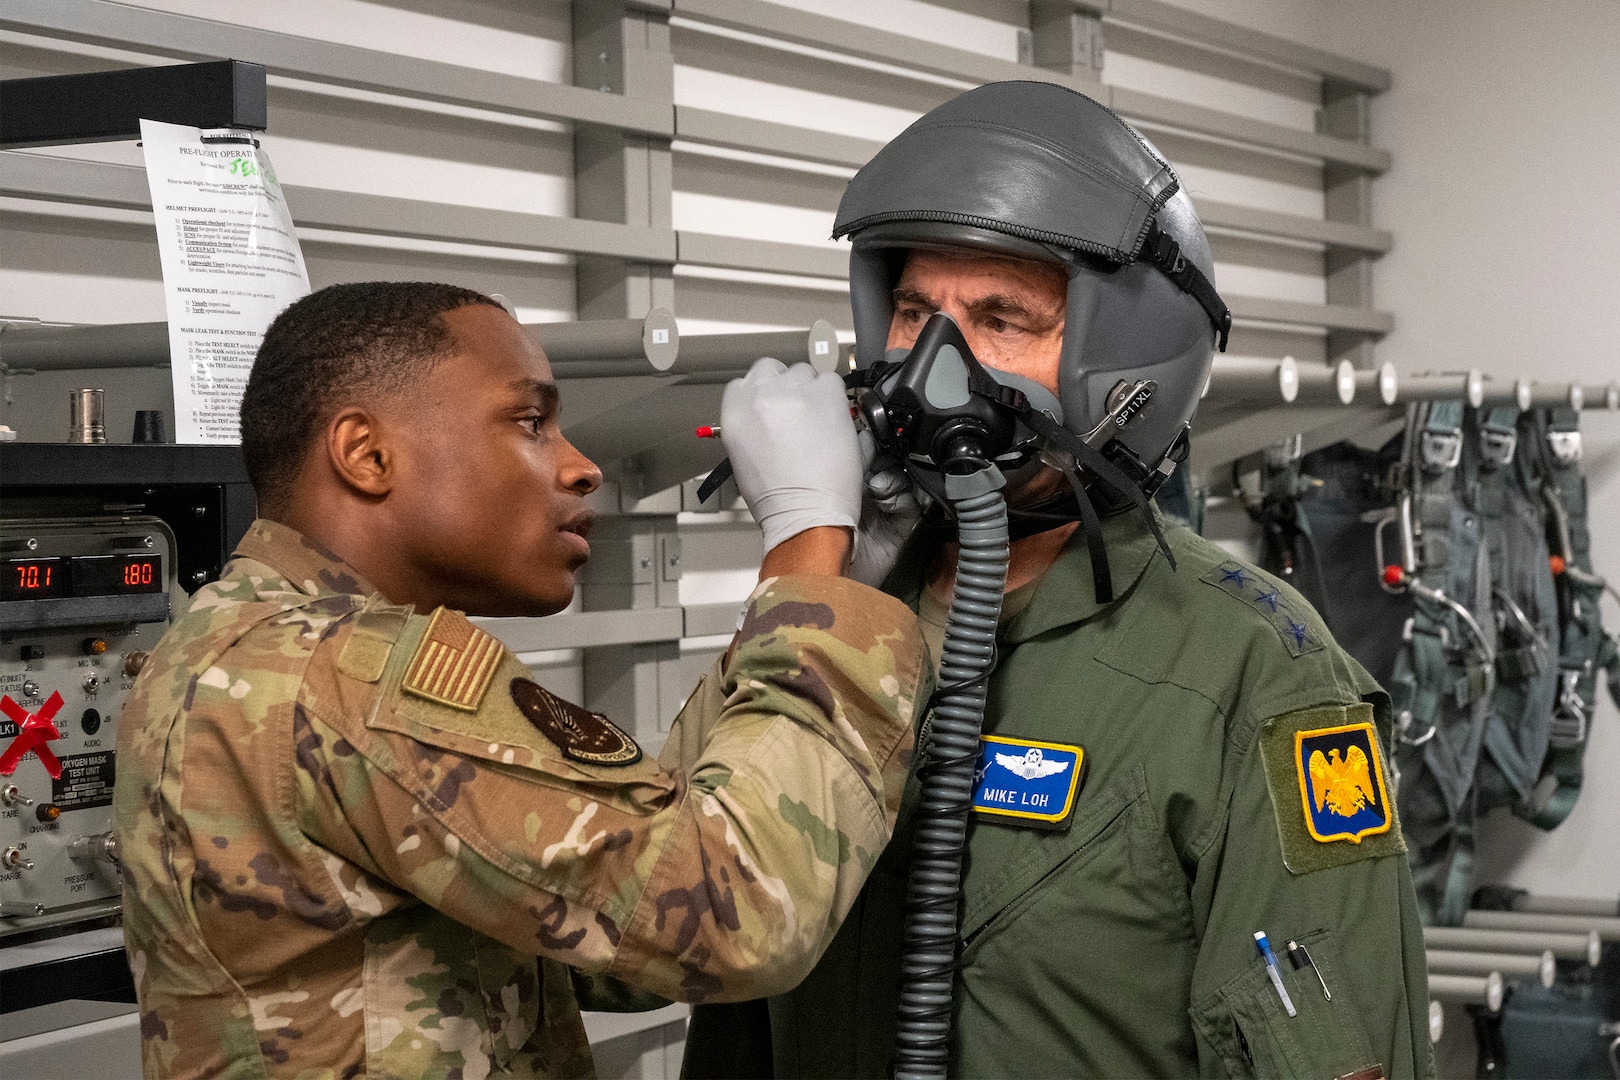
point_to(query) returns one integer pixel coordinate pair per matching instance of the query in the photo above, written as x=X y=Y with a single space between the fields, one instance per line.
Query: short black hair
x=342 y=343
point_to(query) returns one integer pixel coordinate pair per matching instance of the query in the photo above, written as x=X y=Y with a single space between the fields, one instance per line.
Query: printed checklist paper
x=231 y=262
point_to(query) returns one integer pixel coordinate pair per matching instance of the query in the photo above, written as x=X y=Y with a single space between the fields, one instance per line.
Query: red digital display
x=114 y=575
x=32 y=579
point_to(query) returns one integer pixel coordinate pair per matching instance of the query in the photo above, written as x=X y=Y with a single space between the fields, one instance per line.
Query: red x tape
x=33 y=732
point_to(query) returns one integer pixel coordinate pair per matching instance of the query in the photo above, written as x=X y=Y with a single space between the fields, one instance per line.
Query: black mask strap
x=1049 y=513
x=1102 y=579
x=1108 y=473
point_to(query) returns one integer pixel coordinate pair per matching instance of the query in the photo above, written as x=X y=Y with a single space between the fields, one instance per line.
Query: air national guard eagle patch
x=1020 y=782
x=1325 y=772
x=1341 y=783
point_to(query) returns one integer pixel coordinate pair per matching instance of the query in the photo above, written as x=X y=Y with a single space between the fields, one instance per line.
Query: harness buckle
x=1569 y=720
x=1565 y=446
x=1282 y=454
x=1496 y=446
x=1441 y=450
x=1403 y=729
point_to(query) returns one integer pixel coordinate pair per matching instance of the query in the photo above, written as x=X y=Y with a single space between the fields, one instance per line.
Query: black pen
x=1302 y=959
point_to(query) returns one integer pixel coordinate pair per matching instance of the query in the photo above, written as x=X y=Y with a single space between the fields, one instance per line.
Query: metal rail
x=1606 y=927
x=1568 y=905
x=1486 y=990
x=1584 y=947
x=654 y=346
x=1543 y=968
x=577 y=350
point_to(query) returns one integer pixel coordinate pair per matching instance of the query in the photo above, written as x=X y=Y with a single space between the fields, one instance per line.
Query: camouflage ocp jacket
x=362 y=841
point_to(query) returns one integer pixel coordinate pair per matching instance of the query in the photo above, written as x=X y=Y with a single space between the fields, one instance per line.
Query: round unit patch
x=581 y=735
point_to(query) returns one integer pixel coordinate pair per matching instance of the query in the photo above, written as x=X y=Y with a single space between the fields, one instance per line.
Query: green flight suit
x=1123 y=945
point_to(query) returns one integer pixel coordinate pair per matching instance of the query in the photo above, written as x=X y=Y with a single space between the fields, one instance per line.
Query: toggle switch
x=14 y=859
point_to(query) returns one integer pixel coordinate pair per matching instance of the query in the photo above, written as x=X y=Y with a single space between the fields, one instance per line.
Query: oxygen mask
x=939 y=412
x=945 y=417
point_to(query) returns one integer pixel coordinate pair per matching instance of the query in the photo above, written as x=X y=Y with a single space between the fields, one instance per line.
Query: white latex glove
x=889 y=513
x=793 y=448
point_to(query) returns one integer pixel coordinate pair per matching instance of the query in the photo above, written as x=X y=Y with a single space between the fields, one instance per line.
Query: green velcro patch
x=365 y=658
x=1257 y=594
x=371 y=642
x=1327 y=774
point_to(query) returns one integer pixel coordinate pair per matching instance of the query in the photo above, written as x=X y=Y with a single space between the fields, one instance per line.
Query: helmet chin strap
x=1160 y=250
x=1083 y=455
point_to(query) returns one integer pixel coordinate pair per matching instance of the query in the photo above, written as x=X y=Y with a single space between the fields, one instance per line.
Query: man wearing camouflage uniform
x=360 y=840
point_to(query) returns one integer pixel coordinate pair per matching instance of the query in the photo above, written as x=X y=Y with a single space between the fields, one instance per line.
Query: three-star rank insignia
x=580 y=734
x=454 y=662
x=1258 y=594
x=1325 y=772
x=1022 y=782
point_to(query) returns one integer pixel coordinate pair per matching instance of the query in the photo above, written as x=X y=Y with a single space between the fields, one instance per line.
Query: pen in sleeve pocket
x=1261 y=943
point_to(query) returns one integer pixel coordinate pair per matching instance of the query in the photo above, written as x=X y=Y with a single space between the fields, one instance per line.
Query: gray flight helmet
x=1036 y=171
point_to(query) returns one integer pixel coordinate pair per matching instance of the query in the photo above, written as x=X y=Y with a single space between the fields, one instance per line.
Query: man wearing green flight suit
x=1215 y=762
x=359 y=839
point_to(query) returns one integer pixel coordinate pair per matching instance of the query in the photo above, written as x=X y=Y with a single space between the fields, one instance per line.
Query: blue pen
x=1270 y=958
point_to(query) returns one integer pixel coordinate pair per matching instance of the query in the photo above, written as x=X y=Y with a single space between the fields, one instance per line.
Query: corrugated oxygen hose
x=951 y=755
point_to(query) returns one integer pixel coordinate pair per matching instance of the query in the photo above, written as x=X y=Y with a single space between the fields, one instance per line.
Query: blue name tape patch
x=1023 y=782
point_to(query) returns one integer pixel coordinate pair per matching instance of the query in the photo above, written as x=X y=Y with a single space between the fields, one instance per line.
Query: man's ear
x=360 y=452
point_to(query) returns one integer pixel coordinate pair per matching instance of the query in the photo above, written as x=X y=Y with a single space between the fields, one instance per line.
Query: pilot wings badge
x=1341 y=783
x=1032 y=764
x=1029 y=783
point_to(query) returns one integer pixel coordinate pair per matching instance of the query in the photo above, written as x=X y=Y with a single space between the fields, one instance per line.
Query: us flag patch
x=454 y=663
